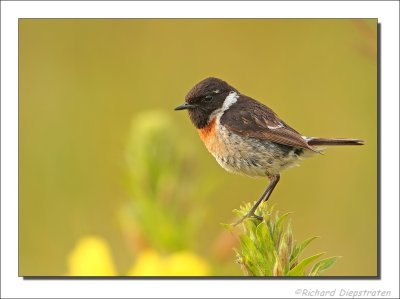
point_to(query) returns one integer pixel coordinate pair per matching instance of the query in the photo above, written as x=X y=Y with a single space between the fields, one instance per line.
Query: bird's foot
x=248 y=215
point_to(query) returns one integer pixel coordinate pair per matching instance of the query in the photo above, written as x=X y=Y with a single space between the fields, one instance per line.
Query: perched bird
x=247 y=137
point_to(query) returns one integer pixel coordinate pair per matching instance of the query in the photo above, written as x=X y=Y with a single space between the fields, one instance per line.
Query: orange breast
x=208 y=133
x=209 y=130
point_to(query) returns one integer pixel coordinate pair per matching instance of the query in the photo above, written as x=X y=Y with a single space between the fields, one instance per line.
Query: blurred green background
x=112 y=181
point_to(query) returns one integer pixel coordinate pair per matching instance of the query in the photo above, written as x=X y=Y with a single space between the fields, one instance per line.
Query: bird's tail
x=315 y=141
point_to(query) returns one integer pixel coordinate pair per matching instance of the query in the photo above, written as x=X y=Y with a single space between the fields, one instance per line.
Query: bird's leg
x=264 y=197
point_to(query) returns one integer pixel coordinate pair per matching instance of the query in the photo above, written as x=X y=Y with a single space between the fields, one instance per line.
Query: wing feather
x=252 y=119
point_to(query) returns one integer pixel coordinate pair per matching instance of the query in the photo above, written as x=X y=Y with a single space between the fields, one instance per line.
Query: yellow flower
x=183 y=263
x=91 y=257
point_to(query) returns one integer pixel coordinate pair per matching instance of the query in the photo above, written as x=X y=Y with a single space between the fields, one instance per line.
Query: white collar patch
x=230 y=100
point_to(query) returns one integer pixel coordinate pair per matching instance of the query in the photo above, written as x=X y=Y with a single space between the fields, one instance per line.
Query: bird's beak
x=185 y=106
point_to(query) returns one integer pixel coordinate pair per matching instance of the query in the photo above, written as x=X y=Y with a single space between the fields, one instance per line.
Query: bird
x=247 y=137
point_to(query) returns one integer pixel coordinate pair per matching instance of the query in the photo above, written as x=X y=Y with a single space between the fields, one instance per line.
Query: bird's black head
x=204 y=98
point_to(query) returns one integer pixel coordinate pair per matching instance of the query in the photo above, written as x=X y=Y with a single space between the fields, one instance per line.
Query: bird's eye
x=208 y=98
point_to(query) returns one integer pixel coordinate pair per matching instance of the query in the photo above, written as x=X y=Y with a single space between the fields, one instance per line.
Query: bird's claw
x=248 y=215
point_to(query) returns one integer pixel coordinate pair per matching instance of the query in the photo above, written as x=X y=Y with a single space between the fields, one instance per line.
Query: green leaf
x=323 y=265
x=282 y=218
x=289 y=237
x=299 y=270
x=298 y=249
x=250 y=228
x=252 y=257
x=278 y=227
x=284 y=253
x=264 y=236
x=246 y=244
x=266 y=247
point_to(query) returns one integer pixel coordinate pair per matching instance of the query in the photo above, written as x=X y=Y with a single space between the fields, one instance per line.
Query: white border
x=13 y=286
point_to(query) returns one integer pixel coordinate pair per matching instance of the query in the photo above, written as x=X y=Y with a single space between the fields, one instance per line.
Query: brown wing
x=253 y=119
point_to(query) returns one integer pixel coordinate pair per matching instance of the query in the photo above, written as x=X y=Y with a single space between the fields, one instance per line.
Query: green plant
x=267 y=247
x=162 y=185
